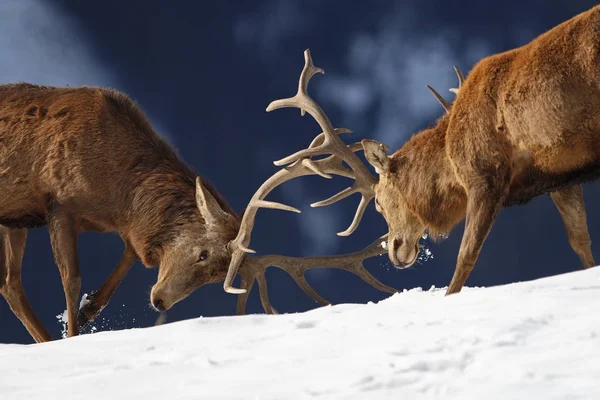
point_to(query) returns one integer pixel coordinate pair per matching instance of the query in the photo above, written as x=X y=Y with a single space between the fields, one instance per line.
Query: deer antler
x=331 y=144
x=461 y=80
x=303 y=167
x=443 y=102
x=255 y=267
x=439 y=98
x=326 y=142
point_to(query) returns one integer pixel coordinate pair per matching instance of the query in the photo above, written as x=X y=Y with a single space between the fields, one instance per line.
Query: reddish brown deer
x=524 y=123
x=86 y=159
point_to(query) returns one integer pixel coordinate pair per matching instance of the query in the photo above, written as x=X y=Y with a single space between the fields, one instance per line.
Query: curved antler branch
x=296 y=267
x=444 y=103
x=461 y=80
x=439 y=98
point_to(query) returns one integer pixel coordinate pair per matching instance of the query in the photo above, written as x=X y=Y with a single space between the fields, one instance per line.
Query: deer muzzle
x=401 y=255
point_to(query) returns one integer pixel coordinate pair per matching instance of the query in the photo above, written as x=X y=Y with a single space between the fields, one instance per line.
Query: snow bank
x=531 y=340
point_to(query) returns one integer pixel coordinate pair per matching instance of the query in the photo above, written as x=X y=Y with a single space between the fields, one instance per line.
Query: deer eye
x=203 y=255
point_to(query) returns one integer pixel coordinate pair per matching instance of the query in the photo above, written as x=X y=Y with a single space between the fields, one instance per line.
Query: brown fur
x=525 y=123
x=86 y=159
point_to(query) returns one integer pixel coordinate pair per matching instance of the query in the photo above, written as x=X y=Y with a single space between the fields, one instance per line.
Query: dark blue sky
x=204 y=73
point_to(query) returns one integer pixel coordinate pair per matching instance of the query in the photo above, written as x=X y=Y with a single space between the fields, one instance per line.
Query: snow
x=84 y=301
x=63 y=320
x=529 y=340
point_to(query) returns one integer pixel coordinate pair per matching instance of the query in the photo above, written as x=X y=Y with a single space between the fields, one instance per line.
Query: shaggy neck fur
x=161 y=203
x=159 y=191
x=429 y=185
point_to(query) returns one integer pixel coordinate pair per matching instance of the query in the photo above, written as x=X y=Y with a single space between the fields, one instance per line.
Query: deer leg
x=12 y=248
x=482 y=210
x=569 y=203
x=97 y=300
x=63 y=237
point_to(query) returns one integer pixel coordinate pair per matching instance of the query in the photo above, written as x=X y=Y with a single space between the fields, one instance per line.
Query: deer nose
x=158 y=305
x=394 y=248
x=394 y=245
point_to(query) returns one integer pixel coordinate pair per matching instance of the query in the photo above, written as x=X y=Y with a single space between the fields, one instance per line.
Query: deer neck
x=160 y=206
x=430 y=185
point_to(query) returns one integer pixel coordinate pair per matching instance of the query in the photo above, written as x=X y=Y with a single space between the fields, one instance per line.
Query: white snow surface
x=529 y=340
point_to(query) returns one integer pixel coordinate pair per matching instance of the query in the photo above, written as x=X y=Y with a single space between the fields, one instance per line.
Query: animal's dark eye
x=203 y=255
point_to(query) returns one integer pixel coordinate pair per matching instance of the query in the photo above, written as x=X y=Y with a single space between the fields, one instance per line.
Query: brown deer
x=524 y=123
x=86 y=159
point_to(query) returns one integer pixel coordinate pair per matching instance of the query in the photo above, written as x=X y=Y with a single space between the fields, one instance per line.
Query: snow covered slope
x=532 y=340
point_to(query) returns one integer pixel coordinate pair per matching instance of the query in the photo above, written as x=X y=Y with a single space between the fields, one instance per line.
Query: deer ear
x=376 y=155
x=209 y=207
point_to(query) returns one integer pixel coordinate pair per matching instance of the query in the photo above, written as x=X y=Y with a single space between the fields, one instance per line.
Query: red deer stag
x=86 y=159
x=524 y=123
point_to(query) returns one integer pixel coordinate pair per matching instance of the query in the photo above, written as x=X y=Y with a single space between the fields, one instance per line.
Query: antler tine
x=247 y=283
x=360 y=210
x=254 y=271
x=439 y=98
x=352 y=262
x=255 y=268
x=318 y=140
x=461 y=80
x=461 y=77
x=264 y=295
x=249 y=276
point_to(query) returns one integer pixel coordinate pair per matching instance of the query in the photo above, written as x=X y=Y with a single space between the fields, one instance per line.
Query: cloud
x=315 y=223
x=383 y=95
x=40 y=44
x=275 y=21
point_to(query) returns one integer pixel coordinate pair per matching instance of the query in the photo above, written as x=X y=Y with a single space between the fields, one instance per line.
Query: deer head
x=405 y=228
x=198 y=254
x=406 y=225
